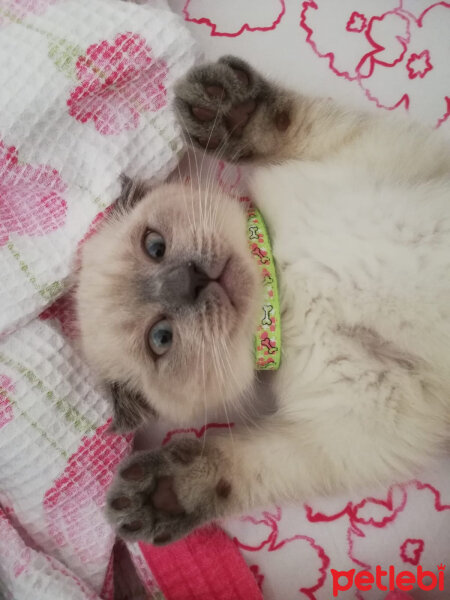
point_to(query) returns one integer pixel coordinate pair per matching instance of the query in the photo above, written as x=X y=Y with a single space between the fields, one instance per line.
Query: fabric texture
x=85 y=94
x=206 y=564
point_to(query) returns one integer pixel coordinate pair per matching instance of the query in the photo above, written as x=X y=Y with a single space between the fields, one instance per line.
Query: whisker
x=190 y=145
x=191 y=224
x=248 y=396
x=204 y=395
x=222 y=377
x=210 y=134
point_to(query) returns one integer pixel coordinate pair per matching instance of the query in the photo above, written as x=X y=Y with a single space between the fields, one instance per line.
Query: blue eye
x=154 y=245
x=160 y=337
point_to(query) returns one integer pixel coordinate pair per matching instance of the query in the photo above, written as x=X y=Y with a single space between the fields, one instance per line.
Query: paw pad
x=216 y=91
x=223 y=488
x=282 y=121
x=211 y=143
x=238 y=117
x=133 y=473
x=164 y=497
x=203 y=114
x=163 y=538
x=121 y=503
x=133 y=526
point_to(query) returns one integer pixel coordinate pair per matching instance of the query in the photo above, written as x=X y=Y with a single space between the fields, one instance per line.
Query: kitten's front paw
x=161 y=495
x=218 y=104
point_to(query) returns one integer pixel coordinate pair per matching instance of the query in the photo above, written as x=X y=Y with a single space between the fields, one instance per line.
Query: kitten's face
x=167 y=301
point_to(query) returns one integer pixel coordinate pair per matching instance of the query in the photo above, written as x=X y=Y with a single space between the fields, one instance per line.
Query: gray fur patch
x=130 y=409
x=132 y=191
x=379 y=347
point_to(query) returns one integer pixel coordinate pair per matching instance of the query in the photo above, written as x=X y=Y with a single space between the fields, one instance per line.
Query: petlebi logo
x=388 y=580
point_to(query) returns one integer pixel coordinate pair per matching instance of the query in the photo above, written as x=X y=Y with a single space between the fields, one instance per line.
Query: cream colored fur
x=361 y=236
x=358 y=209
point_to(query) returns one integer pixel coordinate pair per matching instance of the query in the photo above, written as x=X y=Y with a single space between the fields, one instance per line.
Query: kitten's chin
x=228 y=374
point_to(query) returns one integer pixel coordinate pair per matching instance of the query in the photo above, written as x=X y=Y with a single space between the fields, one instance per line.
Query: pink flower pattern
x=118 y=82
x=20 y=8
x=6 y=411
x=31 y=197
x=64 y=313
x=78 y=494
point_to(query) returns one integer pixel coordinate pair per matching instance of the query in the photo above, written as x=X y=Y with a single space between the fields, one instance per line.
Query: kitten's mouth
x=227 y=281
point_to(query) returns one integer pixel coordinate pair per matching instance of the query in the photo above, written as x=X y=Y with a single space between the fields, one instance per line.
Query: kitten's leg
x=162 y=495
x=229 y=108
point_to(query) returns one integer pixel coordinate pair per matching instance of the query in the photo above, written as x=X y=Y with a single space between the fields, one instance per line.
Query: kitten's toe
x=246 y=82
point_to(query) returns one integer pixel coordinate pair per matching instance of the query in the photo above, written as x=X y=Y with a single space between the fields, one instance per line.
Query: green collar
x=268 y=333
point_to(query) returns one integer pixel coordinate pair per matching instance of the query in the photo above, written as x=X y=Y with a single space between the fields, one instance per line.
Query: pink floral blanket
x=85 y=90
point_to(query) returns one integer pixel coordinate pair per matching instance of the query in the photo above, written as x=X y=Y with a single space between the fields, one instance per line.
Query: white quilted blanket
x=85 y=89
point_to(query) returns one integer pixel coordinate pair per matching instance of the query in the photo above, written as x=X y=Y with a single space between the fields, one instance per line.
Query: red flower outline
x=411 y=551
x=355 y=18
x=244 y=27
x=412 y=72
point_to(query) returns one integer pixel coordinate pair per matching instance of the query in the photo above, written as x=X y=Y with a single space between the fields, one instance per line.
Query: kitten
x=358 y=207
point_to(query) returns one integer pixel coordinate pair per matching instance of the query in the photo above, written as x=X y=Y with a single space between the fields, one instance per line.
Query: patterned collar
x=268 y=333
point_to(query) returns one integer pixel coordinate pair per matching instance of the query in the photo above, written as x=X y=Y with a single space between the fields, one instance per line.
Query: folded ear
x=132 y=191
x=130 y=409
